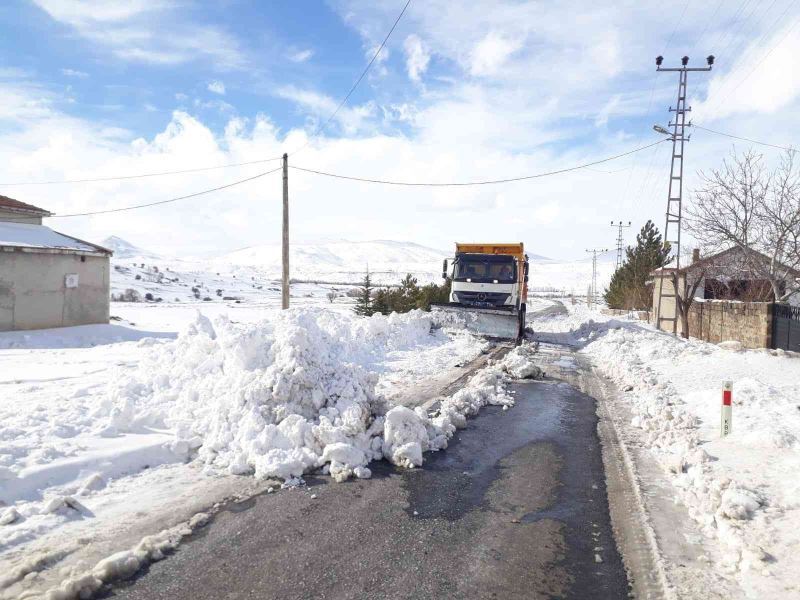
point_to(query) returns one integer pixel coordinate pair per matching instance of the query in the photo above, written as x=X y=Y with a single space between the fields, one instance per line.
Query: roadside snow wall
x=282 y=397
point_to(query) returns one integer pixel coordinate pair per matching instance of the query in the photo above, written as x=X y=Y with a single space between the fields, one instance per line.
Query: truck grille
x=482 y=298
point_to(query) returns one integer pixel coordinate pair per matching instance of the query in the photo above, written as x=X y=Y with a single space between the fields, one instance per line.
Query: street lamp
x=660 y=129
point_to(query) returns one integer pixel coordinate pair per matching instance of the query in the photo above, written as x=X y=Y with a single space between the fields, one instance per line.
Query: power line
x=728 y=37
x=186 y=197
x=744 y=139
x=471 y=183
x=709 y=21
x=763 y=58
x=761 y=40
x=675 y=29
x=142 y=175
x=355 y=85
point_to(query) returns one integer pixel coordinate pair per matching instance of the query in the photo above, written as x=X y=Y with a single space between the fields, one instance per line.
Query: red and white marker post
x=726 y=422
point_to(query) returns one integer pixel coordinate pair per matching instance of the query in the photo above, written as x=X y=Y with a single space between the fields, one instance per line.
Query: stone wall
x=719 y=321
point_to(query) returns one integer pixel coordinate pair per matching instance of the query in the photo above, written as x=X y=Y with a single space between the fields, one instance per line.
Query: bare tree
x=684 y=295
x=742 y=205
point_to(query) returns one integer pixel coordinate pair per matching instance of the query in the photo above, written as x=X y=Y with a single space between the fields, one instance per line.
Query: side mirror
x=444 y=269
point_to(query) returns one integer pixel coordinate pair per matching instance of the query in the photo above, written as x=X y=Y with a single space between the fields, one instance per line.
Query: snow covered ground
x=111 y=428
x=740 y=490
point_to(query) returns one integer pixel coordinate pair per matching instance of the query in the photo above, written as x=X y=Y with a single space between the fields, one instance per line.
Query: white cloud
x=74 y=73
x=81 y=12
x=352 y=119
x=147 y=31
x=417 y=56
x=491 y=54
x=758 y=81
x=217 y=87
x=609 y=108
x=512 y=95
x=300 y=56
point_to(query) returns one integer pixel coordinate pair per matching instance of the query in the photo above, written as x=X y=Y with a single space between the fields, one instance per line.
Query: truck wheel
x=521 y=334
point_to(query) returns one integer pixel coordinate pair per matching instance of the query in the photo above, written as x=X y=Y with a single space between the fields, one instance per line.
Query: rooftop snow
x=23 y=235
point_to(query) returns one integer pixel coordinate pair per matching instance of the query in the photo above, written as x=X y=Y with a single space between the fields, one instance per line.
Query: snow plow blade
x=486 y=322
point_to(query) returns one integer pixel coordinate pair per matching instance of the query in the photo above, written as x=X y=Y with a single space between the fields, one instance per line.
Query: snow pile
x=408 y=433
x=123 y=564
x=678 y=423
x=735 y=487
x=282 y=397
x=519 y=363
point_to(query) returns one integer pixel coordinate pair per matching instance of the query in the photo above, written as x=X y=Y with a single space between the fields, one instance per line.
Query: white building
x=48 y=279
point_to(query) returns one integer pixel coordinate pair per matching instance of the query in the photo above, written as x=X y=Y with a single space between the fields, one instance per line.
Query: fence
x=786 y=327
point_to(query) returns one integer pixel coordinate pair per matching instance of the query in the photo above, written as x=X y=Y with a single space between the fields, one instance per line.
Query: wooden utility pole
x=285 y=249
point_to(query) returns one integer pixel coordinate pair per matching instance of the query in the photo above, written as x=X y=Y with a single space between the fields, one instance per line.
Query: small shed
x=48 y=279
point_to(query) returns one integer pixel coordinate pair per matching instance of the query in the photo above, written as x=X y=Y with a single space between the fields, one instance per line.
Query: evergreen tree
x=628 y=287
x=407 y=294
x=363 y=305
x=433 y=293
x=380 y=303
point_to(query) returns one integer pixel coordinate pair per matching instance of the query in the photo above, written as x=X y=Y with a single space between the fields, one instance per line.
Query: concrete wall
x=34 y=294
x=719 y=321
x=15 y=217
x=667 y=304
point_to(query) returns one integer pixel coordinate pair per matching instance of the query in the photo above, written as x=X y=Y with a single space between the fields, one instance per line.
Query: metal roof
x=39 y=237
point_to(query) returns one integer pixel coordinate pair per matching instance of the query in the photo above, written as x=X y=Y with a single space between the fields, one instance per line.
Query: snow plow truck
x=489 y=289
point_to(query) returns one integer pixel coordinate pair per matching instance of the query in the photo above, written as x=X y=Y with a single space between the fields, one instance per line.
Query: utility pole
x=593 y=289
x=620 y=227
x=675 y=192
x=285 y=248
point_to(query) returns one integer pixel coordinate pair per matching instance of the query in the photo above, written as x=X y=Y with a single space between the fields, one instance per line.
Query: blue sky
x=463 y=90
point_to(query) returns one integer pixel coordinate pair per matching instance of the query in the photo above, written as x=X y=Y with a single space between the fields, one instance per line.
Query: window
x=485 y=268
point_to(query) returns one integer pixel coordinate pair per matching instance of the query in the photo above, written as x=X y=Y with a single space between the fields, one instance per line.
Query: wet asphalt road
x=516 y=507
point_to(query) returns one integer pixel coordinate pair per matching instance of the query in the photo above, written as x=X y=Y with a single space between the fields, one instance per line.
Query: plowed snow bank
x=282 y=397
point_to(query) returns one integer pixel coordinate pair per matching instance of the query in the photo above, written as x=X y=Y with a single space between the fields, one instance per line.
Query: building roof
x=39 y=237
x=710 y=261
x=7 y=203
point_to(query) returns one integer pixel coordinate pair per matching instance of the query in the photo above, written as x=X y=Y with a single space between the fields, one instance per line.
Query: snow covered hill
x=344 y=261
x=124 y=249
x=252 y=275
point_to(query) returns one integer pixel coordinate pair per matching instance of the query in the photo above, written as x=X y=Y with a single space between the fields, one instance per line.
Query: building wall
x=34 y=294
x=15 y=217
x=719 y=321
x=667 y=304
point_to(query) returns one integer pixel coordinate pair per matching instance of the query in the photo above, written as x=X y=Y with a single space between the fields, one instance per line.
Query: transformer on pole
x=672 y=229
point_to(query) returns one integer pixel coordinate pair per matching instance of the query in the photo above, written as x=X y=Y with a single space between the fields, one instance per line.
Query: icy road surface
x=515 y=508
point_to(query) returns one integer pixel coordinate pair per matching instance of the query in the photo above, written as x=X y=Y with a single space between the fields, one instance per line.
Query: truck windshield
x=485 y=268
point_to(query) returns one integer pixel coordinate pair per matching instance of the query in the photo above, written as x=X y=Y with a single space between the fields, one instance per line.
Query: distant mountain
x=124 y=249
x=344 y=261
x=610 y=256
